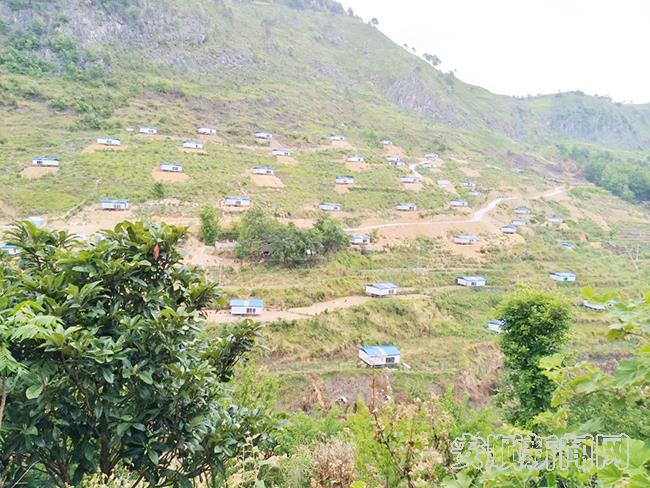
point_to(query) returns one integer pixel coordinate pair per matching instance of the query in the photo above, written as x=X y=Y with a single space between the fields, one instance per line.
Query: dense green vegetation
x=103 y=363
x=626 y=178
x=535 y=326
x=261 y=237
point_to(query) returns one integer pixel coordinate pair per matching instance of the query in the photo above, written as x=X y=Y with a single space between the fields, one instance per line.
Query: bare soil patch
x=342 y=189
x=341 y=145
x=416 y=187
x=192 y=151
x=471 y=172
x=90 y=148
x=169 y=176
x=93 y=219
x=393 y=150
x=357 y=167
x=269 y=181
x=198 y=254
x=286 y=160
x=36 y=172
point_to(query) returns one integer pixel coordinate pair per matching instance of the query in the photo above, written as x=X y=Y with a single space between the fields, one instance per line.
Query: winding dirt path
x=478 y=216
x=298 y=313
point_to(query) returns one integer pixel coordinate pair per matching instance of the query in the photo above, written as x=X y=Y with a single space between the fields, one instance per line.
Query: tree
x=330 y=234
x=103 y=362
x=374 y=22
x=535 y=327
x=209 y=230
x=158 y=190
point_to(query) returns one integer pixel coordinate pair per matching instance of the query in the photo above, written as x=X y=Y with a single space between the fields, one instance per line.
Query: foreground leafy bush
x=103 y=362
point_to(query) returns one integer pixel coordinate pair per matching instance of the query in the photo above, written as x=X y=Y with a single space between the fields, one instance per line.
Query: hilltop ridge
x=291 y=65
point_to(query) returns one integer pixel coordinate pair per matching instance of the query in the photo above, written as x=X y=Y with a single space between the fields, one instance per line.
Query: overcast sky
x=521 y=47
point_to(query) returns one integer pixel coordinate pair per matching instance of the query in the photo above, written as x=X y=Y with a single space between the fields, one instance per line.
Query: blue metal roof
x=385 y=350
x=237 y=198
x=108 y=200
x=253 y=302
x=383 y=286
x=473 y=278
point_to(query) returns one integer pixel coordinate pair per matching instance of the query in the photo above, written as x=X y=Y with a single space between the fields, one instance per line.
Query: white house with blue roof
x=112 y=204
x=260 y=134
x=360 y=239
x=10 y=249
x=471 y=281
x=562 y=276
x=108 y=141
x=234 y=201
x=496 y=325
x=171 y=167
x=251 y=306
x=45 y=161
x=380 y=356
x=381 y=289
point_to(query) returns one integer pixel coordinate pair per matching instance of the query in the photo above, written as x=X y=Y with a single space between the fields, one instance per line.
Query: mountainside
x=288 y=65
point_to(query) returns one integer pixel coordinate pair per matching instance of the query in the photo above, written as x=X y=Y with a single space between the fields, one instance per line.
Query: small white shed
x=427 y=164
x=355 y=159
x=386 y=142
x=281 y=152
x=522 y=211
x=359 y=239
x=409 y=179
x=246 y=307
x=471 y=281
x=234 y=201
x=509 y=229
x=330 y=207
x=171 y=167
x=443 y=183
x=518 y=222
x=555 y=219
x=110 y=204
x=379 y=356
x=465 y=239
x=206 y=131
x=263 y=135
x=469 y=184
x=10 y=249
x=598 y=307
x=393 y=159
x=381 y=289
x=108 y=141
x=458 y=203
x=474 y=193
x=431 y=155
x=45 y=161
x=406 y=207
x=148 y=130
x=336 y=137
x=344 y=180
x=192 y=144
x=562 y=276
x=263 y=170
x=496 y=325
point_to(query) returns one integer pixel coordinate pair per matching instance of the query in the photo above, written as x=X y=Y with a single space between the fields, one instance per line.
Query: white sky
x=521 y=47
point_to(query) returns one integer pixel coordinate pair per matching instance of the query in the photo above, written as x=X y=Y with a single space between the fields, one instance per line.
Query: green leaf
x=34 y=391
x=108 y=375
x=153 y=457
x=146 y=377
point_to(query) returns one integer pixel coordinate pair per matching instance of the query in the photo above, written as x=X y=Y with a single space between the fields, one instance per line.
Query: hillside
x=506 y=192
x=262 y=64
